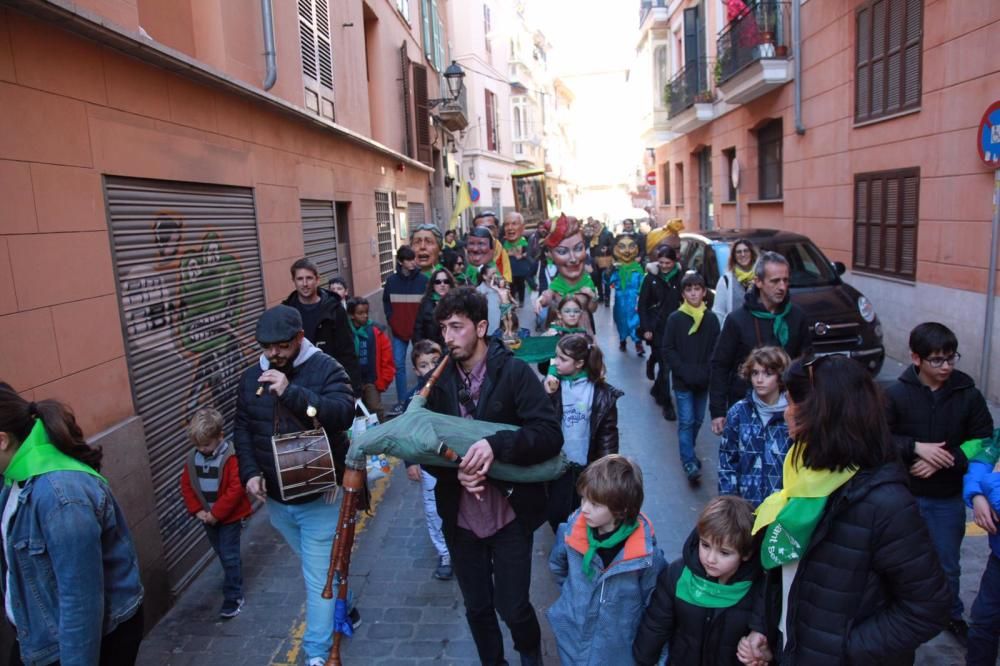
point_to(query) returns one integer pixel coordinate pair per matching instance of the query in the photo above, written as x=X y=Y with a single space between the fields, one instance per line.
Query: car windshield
x=809 y=268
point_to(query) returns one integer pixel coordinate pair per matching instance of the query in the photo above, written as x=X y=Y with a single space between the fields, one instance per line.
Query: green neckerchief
x=435 y=297
x=430 y=271
x=985 y=450
x=623 y=532
x=472 y=272
x=670 y=275
x=520 y=242
x=695 y=313
x=626 y=271
x=359 y=332
x=564 y=288
x=564 y=330
x=792 y=513
x=566 y=378
x=780 y=326
x=37 y=455
x=703 y=593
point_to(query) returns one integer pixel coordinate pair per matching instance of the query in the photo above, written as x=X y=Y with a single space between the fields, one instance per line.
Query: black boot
x=533 y=658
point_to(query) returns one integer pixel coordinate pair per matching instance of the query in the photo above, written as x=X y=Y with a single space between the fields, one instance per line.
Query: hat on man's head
x=279 y=324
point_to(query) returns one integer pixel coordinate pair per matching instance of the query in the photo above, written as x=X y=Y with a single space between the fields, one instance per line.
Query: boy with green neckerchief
x=702 y=603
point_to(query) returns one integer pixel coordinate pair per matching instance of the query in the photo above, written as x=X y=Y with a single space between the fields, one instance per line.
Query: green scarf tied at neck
x=626 y=271
x=670 y=275
x=703 y=593
x=566 y=330
x=360 y=332
x=37 y=455
x=623 y=532
x=696 y=313
x=552 y=372
x=561 y=286
x=780 y=326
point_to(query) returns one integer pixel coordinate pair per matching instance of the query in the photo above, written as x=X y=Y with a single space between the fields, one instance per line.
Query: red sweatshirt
x=232 y=503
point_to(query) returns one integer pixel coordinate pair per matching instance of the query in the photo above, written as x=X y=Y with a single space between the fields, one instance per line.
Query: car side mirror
x=839 y=267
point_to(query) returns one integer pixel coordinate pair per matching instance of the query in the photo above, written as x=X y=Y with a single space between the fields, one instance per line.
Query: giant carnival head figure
x=567 y=248
x=426 y=241
x=667 y=236
x=487 y=219
x=626 y=249
x=479 y=247
x=513 y=227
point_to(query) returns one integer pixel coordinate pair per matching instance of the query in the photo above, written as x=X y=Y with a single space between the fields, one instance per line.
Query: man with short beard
x=489 y=524
x=297 y=383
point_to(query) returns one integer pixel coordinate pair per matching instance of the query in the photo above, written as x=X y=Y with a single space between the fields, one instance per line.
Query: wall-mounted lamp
x=454 y=77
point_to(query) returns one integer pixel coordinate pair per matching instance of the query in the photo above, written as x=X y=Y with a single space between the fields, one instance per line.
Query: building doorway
x=706 y=208
x=342 y=210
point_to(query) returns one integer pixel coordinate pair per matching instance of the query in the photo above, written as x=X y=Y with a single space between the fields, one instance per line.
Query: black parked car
x=842 y=320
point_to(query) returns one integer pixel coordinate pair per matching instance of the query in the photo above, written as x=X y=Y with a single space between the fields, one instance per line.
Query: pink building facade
x=882 y=170
x=155 y=195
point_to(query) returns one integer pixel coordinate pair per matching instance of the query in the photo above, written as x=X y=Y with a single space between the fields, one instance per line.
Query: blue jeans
x=225 y=540
x=309 y=529
x=690 y=414
x=399 y=357
x=945 y=518
x=984 y=625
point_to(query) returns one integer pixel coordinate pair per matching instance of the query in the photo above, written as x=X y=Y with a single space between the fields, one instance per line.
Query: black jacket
x=333 y=334
x=697 y=636
x=427 y=327
x=603 y=419
x=657 y=299
x=689 y=356
x=869 y=588
x=321 y=382
x=956 y=414
x=511 y=393
x=741 y=334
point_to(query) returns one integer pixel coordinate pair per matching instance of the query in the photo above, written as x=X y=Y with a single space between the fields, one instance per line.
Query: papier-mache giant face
x=513 y=228
x=567 y=248
x=626 y=249
x=425 y=246
x=478 y=250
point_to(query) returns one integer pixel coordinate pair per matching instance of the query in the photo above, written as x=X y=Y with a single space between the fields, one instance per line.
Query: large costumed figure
x=626 y=278
x=516 y=246
x=426 y=241
x=568 y=252
x=488 y=220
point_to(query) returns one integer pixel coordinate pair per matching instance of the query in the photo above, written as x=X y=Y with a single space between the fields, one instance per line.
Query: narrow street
x=410 y=618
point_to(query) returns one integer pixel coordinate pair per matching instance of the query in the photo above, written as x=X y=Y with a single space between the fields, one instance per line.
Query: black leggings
x=119 y=648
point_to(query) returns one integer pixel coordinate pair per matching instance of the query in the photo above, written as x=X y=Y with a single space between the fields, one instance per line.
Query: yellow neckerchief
x=799 y=481
x=694 y=313
x=744 y=277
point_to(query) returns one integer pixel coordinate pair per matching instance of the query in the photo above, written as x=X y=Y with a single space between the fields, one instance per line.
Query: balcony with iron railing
x=752 y=51
x=647 y=6
x=690 y=97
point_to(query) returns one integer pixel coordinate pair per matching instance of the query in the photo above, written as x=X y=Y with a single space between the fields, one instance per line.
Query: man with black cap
x=292 y=383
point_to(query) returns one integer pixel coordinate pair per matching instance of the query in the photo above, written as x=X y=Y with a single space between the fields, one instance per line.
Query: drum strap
x=277 y=418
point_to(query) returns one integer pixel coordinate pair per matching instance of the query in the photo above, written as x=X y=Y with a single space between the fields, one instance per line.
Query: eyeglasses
x=741 y=251
x=938 y=361
x=444 y=281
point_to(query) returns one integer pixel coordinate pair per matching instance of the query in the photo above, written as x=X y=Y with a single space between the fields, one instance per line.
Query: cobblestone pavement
x=410 y=618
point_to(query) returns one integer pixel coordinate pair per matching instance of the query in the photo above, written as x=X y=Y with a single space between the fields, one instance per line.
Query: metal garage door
x=319 y=235
x=190 y=288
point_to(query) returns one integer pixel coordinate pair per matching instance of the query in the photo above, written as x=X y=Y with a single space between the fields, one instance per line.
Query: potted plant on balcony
x=666 y=95
x=705 y=97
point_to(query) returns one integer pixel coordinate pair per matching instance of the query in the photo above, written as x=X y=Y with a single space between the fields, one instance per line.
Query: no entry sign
x=988 y=142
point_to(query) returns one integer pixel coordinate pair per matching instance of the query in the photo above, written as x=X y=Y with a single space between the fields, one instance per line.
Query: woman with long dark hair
x=852 y=576
x=72 y=587
x=427 y=328
x=734 y=283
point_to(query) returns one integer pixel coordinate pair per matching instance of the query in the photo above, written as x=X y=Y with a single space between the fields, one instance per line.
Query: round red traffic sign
x=651 y=178
x=988 y=139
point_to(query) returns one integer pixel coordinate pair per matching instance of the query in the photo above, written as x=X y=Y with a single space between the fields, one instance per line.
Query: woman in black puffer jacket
x=427 y=327
x=865 y=587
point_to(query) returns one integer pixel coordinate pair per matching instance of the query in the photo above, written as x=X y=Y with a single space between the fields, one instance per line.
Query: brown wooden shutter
x=885 y=222
x=912 y=49
x=491 y=138
x=887 y=71
x=861 y=224
x=420 y=114
x=404 y=68
x=862 y=75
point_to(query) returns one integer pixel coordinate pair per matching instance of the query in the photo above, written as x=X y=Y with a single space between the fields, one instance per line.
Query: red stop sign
x=651 y=178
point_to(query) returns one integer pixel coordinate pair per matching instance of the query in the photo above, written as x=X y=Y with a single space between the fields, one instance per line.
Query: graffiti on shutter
x=319 y=236
x=190 y=290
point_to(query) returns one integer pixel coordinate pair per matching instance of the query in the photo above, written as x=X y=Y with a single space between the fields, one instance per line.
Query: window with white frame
x=662 y=77
x=403 y=7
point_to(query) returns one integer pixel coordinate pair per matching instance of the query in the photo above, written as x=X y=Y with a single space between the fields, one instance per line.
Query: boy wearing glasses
x=932 y=409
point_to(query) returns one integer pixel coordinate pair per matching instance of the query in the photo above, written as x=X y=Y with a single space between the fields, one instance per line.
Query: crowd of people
x=835 y=536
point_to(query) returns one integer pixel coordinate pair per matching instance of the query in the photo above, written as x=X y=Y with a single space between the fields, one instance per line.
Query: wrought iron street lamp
x=454 y=77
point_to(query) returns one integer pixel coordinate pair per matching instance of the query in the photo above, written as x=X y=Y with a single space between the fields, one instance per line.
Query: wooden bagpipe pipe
x=424 y=437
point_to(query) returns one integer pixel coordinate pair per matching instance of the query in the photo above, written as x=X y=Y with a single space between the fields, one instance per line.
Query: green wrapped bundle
x=417 y=434
x=537 y=349
x=985 y=450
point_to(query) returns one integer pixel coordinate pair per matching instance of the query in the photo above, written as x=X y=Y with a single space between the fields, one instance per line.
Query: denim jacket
x=74 y=575
x=595 y=620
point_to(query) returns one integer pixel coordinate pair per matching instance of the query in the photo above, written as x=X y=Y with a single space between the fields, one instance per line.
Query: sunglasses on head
x=815 y=361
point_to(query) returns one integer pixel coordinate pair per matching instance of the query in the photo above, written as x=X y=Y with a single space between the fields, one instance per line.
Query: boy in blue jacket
x=606 y=560
x=981 y=492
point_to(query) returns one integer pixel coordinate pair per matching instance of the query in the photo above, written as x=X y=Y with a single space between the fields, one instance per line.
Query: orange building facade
x=155 y=194
x=879 y=168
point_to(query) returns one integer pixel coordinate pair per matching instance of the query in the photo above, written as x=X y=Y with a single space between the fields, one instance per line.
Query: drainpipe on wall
x=797 y=63
x=991 y=286
x=270 y=56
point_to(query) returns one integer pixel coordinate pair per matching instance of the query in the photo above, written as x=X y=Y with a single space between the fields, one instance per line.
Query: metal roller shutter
x=319 y=235
x=417 y=215
x=190 y=289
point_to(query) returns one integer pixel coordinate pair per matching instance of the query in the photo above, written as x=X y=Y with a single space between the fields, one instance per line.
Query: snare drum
x=304 y=463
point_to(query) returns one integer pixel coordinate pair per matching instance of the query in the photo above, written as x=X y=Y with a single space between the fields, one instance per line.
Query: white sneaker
x=317 y=661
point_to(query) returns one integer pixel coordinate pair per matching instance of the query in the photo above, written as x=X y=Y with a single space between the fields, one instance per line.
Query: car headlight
x=866 y=309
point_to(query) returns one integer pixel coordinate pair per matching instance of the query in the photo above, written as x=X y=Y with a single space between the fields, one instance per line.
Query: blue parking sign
x=989 y=136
